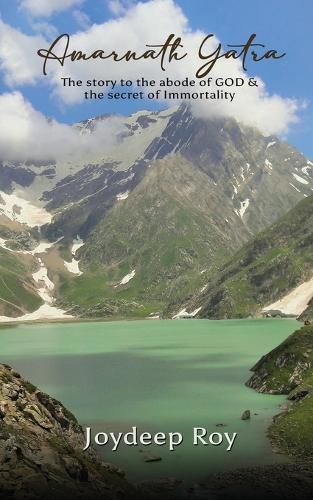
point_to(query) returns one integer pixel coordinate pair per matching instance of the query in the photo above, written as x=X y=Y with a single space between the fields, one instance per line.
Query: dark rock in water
x=113 y=468
x=246 y=415
x=221 y=425
x=151 y=458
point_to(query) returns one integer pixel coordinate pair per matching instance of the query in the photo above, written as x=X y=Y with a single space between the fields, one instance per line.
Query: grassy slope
x=167 y=230
x=17 y=295
x=288 y=369
x=277 y=260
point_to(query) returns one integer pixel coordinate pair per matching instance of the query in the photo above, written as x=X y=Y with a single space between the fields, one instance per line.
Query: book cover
x=156 y=270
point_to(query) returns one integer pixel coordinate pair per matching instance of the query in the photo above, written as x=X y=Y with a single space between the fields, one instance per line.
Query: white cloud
x=82 y=19
x=18 y=59
x=45 y=8
x=28 y=134
x=118 y=7
x=46 y=29
x=135 y=27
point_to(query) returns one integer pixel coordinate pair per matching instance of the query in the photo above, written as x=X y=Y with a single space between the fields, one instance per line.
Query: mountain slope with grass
x=136 y=227
x=156 y=245
x=274 y=263
x=18 y=293
x=288 y=369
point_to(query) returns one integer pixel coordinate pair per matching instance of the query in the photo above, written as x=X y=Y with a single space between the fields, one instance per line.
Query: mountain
x=136 y=227
x=155 y=245
x=288 y=369
x=273 y=272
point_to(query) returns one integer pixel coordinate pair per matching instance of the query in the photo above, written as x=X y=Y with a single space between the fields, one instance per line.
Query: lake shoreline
x=131 y=319
x=199 y=361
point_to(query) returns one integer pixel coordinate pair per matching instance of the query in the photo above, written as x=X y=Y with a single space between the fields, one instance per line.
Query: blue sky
x=282 y=24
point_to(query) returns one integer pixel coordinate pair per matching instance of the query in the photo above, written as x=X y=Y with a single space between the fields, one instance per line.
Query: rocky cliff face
x=41 y=449
x=288 y=369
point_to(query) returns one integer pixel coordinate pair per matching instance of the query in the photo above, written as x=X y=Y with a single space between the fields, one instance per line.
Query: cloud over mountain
x=28 y=134
x=133 y=28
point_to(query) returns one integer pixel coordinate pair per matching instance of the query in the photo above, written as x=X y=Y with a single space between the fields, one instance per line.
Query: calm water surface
x=158 y=376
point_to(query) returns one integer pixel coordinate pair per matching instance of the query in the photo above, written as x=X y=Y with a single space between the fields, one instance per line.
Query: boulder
x=246 y=415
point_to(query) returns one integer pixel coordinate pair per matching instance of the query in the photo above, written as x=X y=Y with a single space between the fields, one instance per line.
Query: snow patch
x=270 y=144
x=235 y=191
x=21 y=210
x=43 y=312
x=242 y=174
x=294 y=187
x=243 y=207
x=41 y=277
x=77 y=243
x=47 y=310
x=127 y=278
x=184 y=314
x=3 y=245
x=268 y=164
x=122 y=196
x=42 y=247
x=306 y=169
x=295 y=302
x=73 y=266
x=300 y=179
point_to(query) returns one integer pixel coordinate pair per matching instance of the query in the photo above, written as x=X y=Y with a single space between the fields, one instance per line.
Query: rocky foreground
x=41 y=458
x=41 y=450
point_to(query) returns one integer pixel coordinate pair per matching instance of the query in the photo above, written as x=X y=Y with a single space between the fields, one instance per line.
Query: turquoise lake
x=158 y=376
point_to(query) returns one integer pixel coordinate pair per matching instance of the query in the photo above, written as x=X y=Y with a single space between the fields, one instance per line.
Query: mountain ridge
x=277 y=261
x=249 y=181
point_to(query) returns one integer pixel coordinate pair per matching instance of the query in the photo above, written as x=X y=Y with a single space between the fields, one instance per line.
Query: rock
x=152 y=458
x=75 y=469
x=41 y=453
x=298 y=395
x=113 y=468
x=56 y=410
x=221 y=425
x=246 y=415
x=283 y=407
x=13 y=395
x=34 y=413
x=170 y=483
